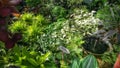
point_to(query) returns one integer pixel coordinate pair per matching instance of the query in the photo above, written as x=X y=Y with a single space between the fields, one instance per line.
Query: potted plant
x=110 y=15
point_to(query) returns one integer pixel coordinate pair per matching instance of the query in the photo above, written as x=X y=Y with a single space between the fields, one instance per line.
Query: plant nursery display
x=59 y=33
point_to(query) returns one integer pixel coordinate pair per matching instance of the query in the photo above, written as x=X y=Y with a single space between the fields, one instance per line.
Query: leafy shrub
x=22 y=57
x=111 y=57
x=84 y=21
x=58 y=12
x=68 y=33
x=68 y=4
x=32 y=3
x=109 y=15
x=29 y=25
x=95 y=4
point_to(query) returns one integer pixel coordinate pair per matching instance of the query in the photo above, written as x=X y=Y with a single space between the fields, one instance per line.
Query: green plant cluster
x=32 y=3
x=59 y=23
x=110 y=15
x=29 y=25
x=87 y=62
x=23 y=58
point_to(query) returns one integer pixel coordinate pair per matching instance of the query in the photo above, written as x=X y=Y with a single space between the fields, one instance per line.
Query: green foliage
x=23 y=57
x=63 y=64
x=76 y=63
x=75 y=43
x=48 y=40
x=65 y=23
x=87 y=62
x=75 y=1
x=84 y=21
x=68 y=33
x=58 y=12
x=32 y=3
x=111 y=57
x=29 y=25
x=68 y=4
x=95 y=4
x=109 y=15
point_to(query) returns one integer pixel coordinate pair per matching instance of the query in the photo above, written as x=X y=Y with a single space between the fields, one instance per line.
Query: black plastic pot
x=94 y=45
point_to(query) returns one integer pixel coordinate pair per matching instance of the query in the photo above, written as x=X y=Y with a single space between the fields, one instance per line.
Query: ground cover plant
x=59 y=33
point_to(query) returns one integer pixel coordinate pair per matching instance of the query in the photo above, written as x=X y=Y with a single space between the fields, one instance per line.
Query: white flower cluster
x=69 y=31
x=85 y=21
x=85 y=18
x=81 y=22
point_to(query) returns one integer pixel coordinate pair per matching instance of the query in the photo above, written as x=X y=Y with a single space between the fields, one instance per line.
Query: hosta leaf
x=89 y=62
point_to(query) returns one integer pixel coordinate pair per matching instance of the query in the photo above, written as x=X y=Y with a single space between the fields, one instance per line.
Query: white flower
x=93 y=11
x=62 y=31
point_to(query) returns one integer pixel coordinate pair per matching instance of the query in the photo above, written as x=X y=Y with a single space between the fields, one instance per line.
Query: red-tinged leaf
x=1 y=5
x=14 y=11
x=4 y=3
x=3 y=28
x=16 y=14
x=17 y=36
x=9 y=44
x=2 y=22
x=4 y=36
x=5 y=12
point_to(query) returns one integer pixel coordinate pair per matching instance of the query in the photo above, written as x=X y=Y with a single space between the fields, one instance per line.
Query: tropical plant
x=110 y=16
x=111 y=57
x=32 y=3
x=29 y=25
x=68 y=33
x=87 y=62
x=95 y=4
x=58 y=12
x=24 y=58
x=8 y=8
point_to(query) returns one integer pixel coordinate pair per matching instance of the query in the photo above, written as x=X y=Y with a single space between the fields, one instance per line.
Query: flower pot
x=95 y=45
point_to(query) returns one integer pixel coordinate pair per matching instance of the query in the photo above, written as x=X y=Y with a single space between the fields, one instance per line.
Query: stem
x=95 y=44
x=62 y=56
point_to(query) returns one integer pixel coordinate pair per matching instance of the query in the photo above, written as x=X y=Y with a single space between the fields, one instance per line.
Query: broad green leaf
x=75 y=64
x=89 y=62
x=32 y=61
x=33 y=53
x=63 y=64
x=43 y=58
